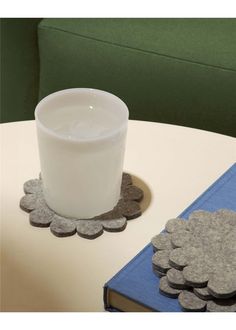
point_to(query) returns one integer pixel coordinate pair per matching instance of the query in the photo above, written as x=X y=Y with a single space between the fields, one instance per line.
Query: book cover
x=135 y=287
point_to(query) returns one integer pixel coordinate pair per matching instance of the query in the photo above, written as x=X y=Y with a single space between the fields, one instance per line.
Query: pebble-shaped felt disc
x=225 y=305
x=111 y=215
x=207 y=233
x=190 y=302
x=197 y=225
x=180 y=238
x=160 y=261
x=28 y=202
x=157 y=272
x=229 y=248
x=126 y=180
x=114 y=225
x=203 y=293
x=41 y=217
x=181 y=257
x=198 y=219
x=178 y=259
x=222 y=284
x=195 y=276
x=132 y=193
x=89 y=228
x=62 y=227
x=175 y=279
x=200 y=214
x=227 y=214
x=161 y=242
x=129 y=209
x=173 y=225
x=32 y=186
x=166 y=290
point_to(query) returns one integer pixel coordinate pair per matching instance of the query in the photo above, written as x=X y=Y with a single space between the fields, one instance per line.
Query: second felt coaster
x=197 y=260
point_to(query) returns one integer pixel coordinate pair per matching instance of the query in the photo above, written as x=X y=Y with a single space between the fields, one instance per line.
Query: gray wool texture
x=198 y=257
x=40 y=215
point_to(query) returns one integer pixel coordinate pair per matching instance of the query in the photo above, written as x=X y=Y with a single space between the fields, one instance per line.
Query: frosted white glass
x=81 y=137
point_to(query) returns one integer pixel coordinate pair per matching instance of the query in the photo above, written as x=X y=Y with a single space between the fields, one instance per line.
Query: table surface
x=40 y=272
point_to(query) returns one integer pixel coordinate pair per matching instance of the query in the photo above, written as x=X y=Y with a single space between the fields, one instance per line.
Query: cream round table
x=40 y=272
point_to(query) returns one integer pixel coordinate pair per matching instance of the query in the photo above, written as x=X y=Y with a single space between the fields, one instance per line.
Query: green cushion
x=19 y=68
x=180 y=71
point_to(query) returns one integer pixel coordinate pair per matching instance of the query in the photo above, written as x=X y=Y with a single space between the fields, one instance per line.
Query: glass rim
x=106 y=136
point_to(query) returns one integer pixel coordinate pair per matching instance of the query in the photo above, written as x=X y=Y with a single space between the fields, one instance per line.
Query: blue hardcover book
x=135 y=287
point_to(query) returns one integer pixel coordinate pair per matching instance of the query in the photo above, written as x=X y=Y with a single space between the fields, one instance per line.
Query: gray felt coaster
x=202 y=256
x=190 y=302
x=166 y=289
x=113 y=221
x=209 y=252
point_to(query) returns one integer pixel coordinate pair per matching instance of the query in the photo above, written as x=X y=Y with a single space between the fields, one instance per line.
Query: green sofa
x=177 y=71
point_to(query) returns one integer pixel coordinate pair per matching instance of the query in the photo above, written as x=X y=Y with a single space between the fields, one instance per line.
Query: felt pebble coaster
x=203 y=293
x=40 y=215
x=160 y=261
x=89 y=228
x=191 y=303
x=198 y=258
x=166 y=289
x=175 y=279
x=228 y=305
x=62 y=227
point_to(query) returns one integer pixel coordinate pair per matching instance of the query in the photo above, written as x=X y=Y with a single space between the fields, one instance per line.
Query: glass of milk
x=81 y=137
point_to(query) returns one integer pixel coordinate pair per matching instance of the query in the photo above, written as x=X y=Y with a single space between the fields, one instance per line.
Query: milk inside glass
x=82 y=122
x=81 y=138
